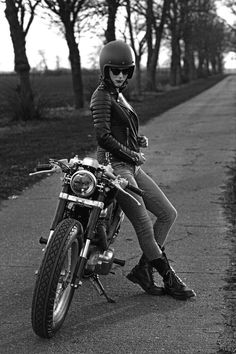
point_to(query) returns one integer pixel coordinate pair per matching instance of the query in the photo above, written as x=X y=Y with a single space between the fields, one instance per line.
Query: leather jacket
x=116 y=125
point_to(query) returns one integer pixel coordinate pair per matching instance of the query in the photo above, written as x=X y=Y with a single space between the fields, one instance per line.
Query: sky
x=47 y=40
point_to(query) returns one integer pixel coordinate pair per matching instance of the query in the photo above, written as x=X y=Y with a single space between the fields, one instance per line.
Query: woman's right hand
x=140 y=158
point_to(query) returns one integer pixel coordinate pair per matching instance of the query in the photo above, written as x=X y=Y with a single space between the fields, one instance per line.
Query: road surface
x=191 y=146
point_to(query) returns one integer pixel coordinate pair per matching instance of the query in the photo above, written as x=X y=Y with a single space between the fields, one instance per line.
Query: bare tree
x=156 y=17
x=188 y=14
x=175 y=27
x=43 y=62
x=231 y=4
x=107 y=9
x=217 y=44
x=137 y=37
x=195 y=31
x=16 y=12
x=208 y=38
x=112 y=7
x=68 y=14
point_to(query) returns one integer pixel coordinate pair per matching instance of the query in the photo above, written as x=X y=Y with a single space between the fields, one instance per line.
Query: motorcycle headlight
x=83 y=183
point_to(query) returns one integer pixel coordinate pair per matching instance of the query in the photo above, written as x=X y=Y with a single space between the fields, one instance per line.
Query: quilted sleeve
x=101 y=112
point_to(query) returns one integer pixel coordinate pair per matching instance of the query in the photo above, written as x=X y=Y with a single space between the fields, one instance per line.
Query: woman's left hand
x=143 y=141
x=140 y=158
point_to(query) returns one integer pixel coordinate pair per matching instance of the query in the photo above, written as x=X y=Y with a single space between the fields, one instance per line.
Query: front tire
x=53 y=292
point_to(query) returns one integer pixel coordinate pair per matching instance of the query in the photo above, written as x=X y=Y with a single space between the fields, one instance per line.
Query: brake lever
x=53 y=170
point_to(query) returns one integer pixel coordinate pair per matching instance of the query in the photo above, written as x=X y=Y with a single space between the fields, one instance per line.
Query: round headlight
x=83 y=183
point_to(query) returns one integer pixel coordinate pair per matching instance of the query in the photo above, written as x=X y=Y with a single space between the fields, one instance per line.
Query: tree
x=112 y=7
x=231 y=4
x=68 y=13
x=208 y=38
x=43 y=66
x=97 y=10
x=137 y=37
x=189 y=72
x=175 y=27
x=16 y=16
x=156 y=17
x=197 y=37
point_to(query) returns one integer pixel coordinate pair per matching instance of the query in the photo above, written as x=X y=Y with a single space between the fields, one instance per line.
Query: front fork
x=60 y=209
x=90 y=232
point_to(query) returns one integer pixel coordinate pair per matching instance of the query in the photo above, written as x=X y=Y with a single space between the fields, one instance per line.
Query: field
x=55 y=88
x=65 y=131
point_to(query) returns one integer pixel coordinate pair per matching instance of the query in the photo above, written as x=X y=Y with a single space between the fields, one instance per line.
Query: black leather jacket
x=116 y=124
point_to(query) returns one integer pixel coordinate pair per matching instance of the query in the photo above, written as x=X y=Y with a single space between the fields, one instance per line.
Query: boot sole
x=148 y=291
x=179 y=297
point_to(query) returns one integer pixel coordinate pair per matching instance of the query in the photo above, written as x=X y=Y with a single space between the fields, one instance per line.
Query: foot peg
x=43 y=241
x=118 y=261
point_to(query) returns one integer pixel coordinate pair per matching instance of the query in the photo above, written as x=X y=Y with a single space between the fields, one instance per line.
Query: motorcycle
x=79 y=247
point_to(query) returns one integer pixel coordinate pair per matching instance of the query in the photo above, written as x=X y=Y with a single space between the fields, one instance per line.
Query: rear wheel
x=53 y=292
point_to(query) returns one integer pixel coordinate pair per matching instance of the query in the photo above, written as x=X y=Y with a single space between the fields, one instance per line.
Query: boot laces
x=173 y=278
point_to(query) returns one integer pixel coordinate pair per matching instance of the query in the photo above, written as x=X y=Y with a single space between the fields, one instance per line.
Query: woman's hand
x=143 y=141
x=140 y=158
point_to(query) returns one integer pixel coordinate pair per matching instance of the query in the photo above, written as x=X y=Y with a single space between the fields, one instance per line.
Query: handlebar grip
x=135 y=189
x=43 y=167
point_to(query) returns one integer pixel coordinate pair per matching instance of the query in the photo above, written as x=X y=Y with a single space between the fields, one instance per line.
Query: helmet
x=117 y=54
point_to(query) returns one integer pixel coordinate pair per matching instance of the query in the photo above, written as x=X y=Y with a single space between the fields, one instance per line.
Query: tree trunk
x=74 y=57
x=22 y=67
x=200 y=69
x=137 y=54
x=219 y=63
x=149 y=19
x=151 y=77
x=138 y=77
x=189 y=65
x=110 y=32
x=208 y=72
x=153 y=53
x=213 y=65
x=175 y=69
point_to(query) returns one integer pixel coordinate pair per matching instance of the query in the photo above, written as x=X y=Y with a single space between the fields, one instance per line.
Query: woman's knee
x=173 y=215
x=168 y=216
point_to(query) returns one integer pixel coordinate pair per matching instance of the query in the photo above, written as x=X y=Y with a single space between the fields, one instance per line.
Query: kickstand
x=99 y=287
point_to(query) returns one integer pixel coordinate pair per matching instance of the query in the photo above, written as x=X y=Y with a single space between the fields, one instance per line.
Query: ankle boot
x=173 y=285
x=142 y=274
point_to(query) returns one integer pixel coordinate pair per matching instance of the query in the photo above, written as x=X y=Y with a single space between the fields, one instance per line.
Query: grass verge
x=65 y=133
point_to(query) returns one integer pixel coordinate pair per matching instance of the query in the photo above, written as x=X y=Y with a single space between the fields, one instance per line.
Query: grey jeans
x=150 y=235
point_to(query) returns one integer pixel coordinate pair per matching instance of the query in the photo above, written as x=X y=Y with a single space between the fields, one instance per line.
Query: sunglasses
x=117 y=71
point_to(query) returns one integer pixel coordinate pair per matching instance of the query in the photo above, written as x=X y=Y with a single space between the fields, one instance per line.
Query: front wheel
x=53 y=292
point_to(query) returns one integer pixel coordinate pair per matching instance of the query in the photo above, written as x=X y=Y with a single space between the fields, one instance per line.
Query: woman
x=116 y=128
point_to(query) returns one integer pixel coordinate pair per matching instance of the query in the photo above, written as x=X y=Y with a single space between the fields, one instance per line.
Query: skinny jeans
x=151 y=236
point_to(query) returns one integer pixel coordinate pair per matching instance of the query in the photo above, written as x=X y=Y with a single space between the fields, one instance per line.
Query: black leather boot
x=142 y=274
x=173 y=285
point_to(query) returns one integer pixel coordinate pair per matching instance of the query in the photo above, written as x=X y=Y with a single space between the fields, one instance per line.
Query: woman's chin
x=118 y=84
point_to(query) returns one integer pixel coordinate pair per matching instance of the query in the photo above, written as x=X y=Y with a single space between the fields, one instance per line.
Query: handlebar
x=135 y=189
x=55 y=165
x=43 y=167
x=129 y=186
x=51 y=167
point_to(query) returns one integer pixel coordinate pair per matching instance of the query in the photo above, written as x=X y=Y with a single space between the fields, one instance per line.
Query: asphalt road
x=190 y=149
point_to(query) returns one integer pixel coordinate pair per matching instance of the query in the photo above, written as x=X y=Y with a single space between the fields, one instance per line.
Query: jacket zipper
x=127 y=133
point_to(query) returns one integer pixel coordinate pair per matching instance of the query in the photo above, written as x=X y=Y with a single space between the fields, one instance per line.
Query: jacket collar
x=117 y=93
